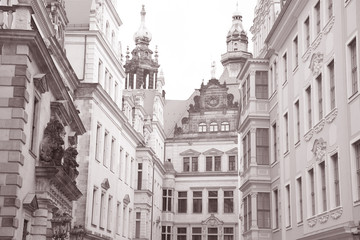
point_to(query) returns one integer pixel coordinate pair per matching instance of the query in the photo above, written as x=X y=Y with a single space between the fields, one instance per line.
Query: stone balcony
x=255 y=173
x=255 y=107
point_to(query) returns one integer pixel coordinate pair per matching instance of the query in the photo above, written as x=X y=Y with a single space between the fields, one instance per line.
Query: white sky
x=190 y=34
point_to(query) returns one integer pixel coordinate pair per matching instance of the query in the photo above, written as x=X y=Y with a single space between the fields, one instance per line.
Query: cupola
x=142 y=35
x=236 y=38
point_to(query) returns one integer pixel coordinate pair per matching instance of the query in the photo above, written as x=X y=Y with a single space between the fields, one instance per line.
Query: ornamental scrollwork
x=319 y=149
x=52 y=144
x=323 y=219
x=312 y=222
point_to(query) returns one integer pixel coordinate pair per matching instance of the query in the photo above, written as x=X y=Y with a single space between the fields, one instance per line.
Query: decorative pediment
x=316 y=63
x=212 y=221
x=40 y=83
x=233 y=151
x=105 y=184
x=213 y=152
x=190 y=152
x=126 y=199
x=319 y=149
x=60 y=109
x=30 y=202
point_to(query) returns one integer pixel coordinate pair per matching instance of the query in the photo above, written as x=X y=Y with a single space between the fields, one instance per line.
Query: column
x=254 y=211
x=253 y=145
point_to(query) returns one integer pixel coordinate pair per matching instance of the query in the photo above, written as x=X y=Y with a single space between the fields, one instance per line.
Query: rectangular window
x=317 y=17
x=166 y=233
x=139 y=178
x=276 y=212
x=124 y=221
x=94 y=207
x=186 y=162
x=262 y=146
x=332 y=84
x=167 y=200
x=120 y=161
x=320 y=97
x=112 y=151
x=228 y=233
x=228 y=201
x=286 y=126
x=100 y=66
x=244 y=95
x=353 y=66
x=137 y=224
x=102 y=210
x=288 y=206
x=232 y=163
x=109 y=214
x=217 y=163
x=182 y=202
x=212 y=233
x=300 y=199
x=285 y=67
x=323 y=185
x=274 y=138
x=297 y=121
x=248 y=89
x=312 y=191
x=34 y=126
x=263 y=210
x=309 y=114
x=335 y=165
x=247 y=151
x=116 y=89
x=357 y=160
x=213 y=202
x=208 y=163
x=307 y=32
x=118 y=218
x=330 y=8
x=25 y=229
x=105 y=150
x=194 y=164
x=106 y=80
x=296 y=51
x=196 y=233
x=197 y=202
x=181 y=233
x=275 y=74
x=247 y=213
x=98 y=142
x=261 y=85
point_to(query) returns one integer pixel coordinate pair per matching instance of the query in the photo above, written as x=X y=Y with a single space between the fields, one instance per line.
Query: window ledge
x=308 y=135
x=286 y=153
x=276 y=230
x=353 y=96
x=319 y=126
x=301 y=223
x=296 y=68
x=288 y=228
x=32 y=154
x=297 y=144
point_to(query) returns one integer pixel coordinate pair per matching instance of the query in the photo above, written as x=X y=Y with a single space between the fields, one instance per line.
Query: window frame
x=182 y=202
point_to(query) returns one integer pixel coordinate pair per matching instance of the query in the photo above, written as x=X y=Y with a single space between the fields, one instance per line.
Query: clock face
x=213 y=101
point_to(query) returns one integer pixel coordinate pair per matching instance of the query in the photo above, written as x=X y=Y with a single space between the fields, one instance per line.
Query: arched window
x=235 y=46
x=214 y=127
x=202 y=127
x=225 y=126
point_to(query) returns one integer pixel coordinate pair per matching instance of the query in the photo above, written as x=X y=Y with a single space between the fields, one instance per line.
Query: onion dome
x=142 y=35
x=237 y=28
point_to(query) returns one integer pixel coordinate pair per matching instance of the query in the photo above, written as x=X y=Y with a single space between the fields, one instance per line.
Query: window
x=244 y=95
x=186 y=162
x=202 y=127
x=217 y=163
x=261 y=85
x=246 y=151
x=307 y=32
x=286 y=126
x=285 y=67
x=232 y=163
x=320 y=97
x=137 y=225
x=181 y=233
x=182 y=202
x=196 y=233
x=25 y=229
x=213 y=161
x=335 y=164
x=288 y=206
x=357 y=160
x=112 y=157
x=330 y=8
x=332 y=84
x=102 y=210
x=262 y=146
x=225 y=126
x=275 y=75
x=247 y=213
x=297 y=121
x=248 y=89
x=106 y=148
x=208 y=163
x=109 y=214
x=34 y=126
x=106 y=80
x=212 y=233
x=98 y=140
x=308 y=98
x=166 y=233
x=167 y=200
x=323 y=185
x=228 y=201
x=228 y=233
x=118 y=217
x=100 y=67
x=353 y=66
x=194 y=164
x=296 y=51
x=214 y=127
x=116 y=89
x=94 y=207
x=317 y=17
x=124 y=221
x=126 y=178
x=274 y=138
x=276 y=207
x=139 y=178
x=213 y=202
x=120 y=161
x=300 y=200
x=197 y=202
x=263 y=210
x=312 y=192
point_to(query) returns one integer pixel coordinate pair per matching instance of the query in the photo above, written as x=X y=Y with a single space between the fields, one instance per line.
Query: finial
x=213 y=70
x=143 y=13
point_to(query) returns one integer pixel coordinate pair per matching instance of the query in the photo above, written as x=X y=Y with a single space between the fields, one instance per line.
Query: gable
x=233 y=151
x=213 y=151
x=190 y=152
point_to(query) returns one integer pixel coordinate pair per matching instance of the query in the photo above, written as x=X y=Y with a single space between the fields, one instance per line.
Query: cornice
x=114 y=12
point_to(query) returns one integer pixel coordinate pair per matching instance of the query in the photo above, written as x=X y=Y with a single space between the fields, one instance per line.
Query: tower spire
x=142 y=36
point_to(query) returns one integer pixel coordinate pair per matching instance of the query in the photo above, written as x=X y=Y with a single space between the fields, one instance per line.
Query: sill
x=297 y=144
x=272 y=95
x=347 y=2
x=284 y=83
x=296 y=68
x=301 y=223
x=288 y=228
x=274 y=163
x=93 y=225
x=32 y=154
x=97 y=160
x=275 y=230
x=101 y=228
x=353 y=96
x=357 y=202
x=109 y=231
x=286 y=153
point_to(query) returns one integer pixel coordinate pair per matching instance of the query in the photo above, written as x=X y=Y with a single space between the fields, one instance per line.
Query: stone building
x=299 y=140
x=39 y=123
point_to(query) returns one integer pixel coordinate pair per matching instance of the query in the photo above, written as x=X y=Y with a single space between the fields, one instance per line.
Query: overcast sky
x=190 y=34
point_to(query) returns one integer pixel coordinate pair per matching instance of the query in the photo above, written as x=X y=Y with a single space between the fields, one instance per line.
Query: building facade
x=299 y=163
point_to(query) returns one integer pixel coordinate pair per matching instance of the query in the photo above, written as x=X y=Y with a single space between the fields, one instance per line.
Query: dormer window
x=202 y=127
x=214 y=127
x=225 y=126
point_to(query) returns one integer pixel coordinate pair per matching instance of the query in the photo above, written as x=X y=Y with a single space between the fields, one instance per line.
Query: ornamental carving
x=316 y=63
x=178 y=130
x=329 y=25
x=212 y=101
x=52 y=144
x=312 y=222
x=319 y=126
x=309 y=135
x=70 y=163
x=319 y=149
x=323 y=219
x=336 y=214
x=331 y=116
